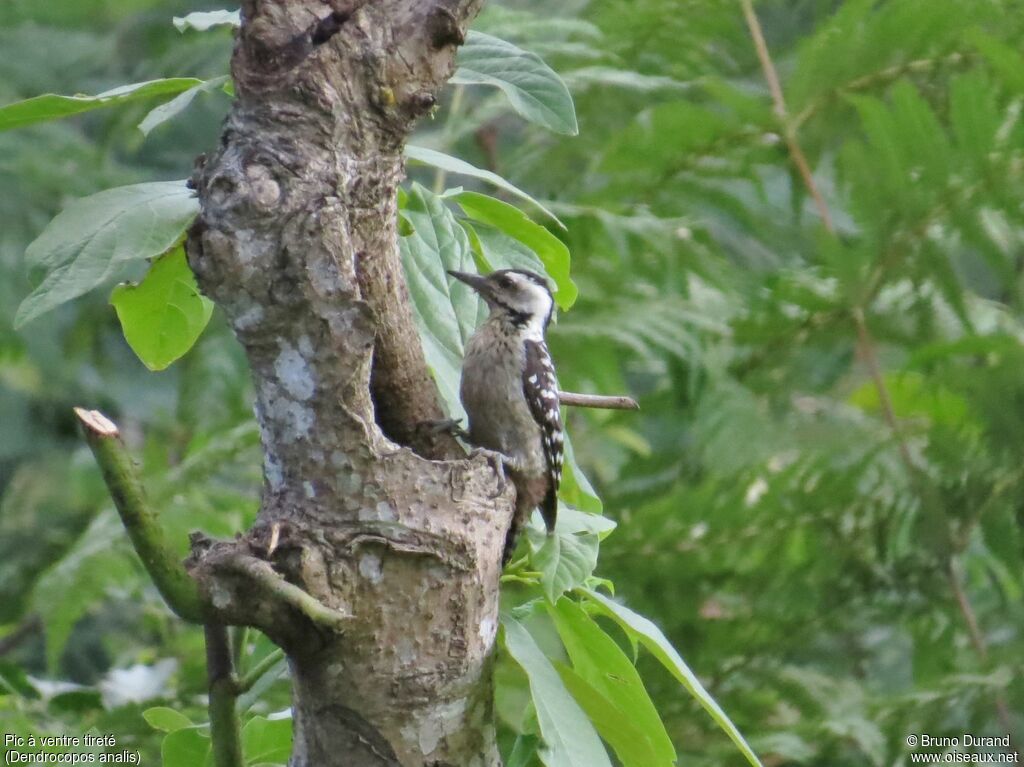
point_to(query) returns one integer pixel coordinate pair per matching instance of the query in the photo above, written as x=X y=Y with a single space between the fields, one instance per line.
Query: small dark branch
x=601 y=401
x=224 y=731
x=22 y=631
x=140 y=521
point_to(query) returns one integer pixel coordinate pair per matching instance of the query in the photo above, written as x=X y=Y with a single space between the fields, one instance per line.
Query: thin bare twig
x=866 y=344
x=602 y=401
x=779 y=102
x=225 y=735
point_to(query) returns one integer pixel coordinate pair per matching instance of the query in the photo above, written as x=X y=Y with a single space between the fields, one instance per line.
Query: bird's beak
x=475 y=281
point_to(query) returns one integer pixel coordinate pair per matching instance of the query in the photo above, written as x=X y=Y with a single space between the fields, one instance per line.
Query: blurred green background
x=817 y=560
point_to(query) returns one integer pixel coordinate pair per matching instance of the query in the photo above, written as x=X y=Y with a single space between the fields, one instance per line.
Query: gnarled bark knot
x=381 y=580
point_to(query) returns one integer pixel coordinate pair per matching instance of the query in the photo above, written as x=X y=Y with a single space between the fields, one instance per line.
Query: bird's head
x=518 y=295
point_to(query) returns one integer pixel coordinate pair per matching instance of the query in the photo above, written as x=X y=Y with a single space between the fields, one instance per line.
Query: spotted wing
x=541 y=389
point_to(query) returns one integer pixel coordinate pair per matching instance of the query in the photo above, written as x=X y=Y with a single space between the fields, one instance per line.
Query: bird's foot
x=451 y=426
x=498 y=462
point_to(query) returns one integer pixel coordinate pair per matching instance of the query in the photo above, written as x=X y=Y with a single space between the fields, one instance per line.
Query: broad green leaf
x=651 y=637
x=569 y=737
x=267 y=740
x=179 y=104
x=185 y=748
x=446 y=162
x=446 y=310
x=91 y=241
x=204 y=20
x=535 y=91
x=572 y=521
x=575 y=488
x=616 y=726
x=565 y=560
x=164 y=315
x=552 y=252
x=601 y=664
x=496 y=250
x=166 y=719
x=51 y=106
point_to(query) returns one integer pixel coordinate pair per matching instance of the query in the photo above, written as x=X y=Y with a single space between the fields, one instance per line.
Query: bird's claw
x=497 y=462
x=451 y=426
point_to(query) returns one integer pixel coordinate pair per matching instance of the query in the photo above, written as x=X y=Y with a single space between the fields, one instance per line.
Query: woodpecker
x=510 y=391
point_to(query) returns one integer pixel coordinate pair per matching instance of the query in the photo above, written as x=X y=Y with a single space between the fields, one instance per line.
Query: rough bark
x=373 y=566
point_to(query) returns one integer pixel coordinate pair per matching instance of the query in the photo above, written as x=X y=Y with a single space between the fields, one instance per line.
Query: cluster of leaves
x=567 y=710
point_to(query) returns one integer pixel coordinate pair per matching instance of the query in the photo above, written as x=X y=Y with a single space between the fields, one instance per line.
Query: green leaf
x=631 y=744
x=446 y=310
x=201 y=21
x=565 y=560
x=52 y=106
x=552 y=252
x=185 y=748
x=179 y=104
x=446 y=162
x=91 y=241
x=569 y=737
x=77 y=702
x=166 y=719
x=651 y=637
x=496 y=250
x=601 y=664
x=533 y=88
x=267 y=740
x=164 y=315
x=575 y=488
x=524 y=751
x=14 y=681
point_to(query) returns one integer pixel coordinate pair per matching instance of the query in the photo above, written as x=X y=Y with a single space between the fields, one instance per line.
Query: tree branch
x=261 y=574
x=269 y=661
x=225 y=735
x=140 y=521
x=601 y=401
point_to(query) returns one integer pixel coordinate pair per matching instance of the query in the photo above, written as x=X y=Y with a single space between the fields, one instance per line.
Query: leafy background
x=823 y=490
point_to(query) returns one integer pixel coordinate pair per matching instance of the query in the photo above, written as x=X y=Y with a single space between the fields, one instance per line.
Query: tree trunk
x=375 y=560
